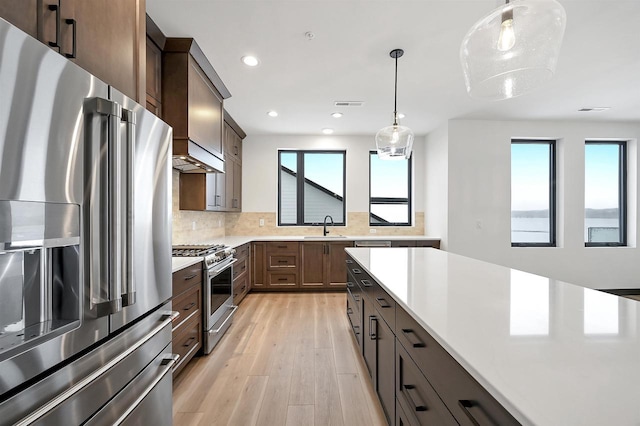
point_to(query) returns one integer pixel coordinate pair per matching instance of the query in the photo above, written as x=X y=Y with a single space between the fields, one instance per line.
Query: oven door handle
x=217 y=271
x=217 y=330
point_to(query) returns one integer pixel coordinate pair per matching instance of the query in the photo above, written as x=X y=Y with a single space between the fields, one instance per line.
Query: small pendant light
x=513 y=50
x=394 y=142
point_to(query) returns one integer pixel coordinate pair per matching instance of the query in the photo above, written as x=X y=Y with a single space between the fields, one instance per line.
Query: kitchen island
x=549 y=352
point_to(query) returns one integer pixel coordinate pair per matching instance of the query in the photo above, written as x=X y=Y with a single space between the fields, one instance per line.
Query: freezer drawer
x=76 y=392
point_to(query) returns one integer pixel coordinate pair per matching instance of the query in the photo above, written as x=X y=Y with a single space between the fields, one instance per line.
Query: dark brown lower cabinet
x=378 y=343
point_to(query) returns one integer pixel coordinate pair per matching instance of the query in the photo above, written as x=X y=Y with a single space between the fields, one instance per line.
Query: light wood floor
x=288 y=359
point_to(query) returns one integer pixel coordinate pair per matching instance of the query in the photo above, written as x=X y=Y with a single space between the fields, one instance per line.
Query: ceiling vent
x=349 y=103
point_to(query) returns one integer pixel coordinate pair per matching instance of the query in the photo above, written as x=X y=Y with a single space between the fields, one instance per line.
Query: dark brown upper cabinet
x=105 y=37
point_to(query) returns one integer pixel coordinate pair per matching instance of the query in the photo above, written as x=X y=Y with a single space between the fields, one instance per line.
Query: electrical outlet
x=373 y=231
x=261 y=222
x=193 y=226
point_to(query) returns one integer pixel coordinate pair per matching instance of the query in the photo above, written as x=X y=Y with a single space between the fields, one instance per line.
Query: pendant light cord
x=395 y=96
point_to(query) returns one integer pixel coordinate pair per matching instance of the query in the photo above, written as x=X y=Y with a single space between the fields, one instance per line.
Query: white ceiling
x=348 y=60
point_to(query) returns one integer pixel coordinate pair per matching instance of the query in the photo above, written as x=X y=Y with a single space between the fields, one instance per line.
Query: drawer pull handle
x=382 y=299
x=282 y=279
x=282 y=246
x=366 y=283
x=357 y=297
x=417 y=343
x=466 y=406
x=356 y=271
x=350 y=284
x=282 y=261
x=349 y=261
x=349 y=311
x=189 y=342
x=190 y=277
x=373 y=327
x=244 y=267
x=410 y=389
x=189 y=306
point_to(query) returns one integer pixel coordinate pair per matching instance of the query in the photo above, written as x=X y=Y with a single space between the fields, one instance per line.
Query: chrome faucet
x=325 y=232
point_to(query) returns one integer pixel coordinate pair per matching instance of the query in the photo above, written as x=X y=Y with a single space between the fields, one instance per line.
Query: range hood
x=189 y=157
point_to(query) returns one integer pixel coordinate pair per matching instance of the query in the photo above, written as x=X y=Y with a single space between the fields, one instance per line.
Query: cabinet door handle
x=382 y=299
x=235 y=149
x=189 y=306
x=411 y=389
x=467 y=406
x=357 y=297
x=349 y=261
x=72 y=22
x=190 y=277
x=349 y=311
x=417 y=343
x=373 y=327
x=354 y=329
x=356 y=271
x=188 y=342
x=56 y=9
x=366 y=283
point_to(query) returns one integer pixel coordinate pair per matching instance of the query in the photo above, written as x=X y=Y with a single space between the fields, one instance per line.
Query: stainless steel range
x=218 y=292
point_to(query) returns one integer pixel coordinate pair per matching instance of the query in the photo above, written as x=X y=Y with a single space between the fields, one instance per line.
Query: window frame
x=300 y=185
x=622 y=192
x=388 y=200
x=552 y=192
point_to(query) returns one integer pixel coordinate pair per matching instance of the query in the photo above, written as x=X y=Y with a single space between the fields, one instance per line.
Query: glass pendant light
x=513 y=50
x=394 y=142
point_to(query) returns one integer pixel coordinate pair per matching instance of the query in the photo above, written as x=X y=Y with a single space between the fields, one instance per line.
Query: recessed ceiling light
x=197 y=164
x=589 y=109
x=336 y=114
x=272 y=113
x=327 y=131
x=250 y=61
x=401 y=115
x=183 y=158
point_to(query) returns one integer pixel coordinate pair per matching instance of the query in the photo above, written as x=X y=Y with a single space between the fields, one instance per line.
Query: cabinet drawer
x=385 y=305
x=186 y=340
x=282 y=279
x=355 y=319
x=240 y=267
x=187 y=303
x=282 y=261
x=240 y=288
x=242 y=251
x=419 y=401
x=186 y=278
x=282 y=247
x=469 y=402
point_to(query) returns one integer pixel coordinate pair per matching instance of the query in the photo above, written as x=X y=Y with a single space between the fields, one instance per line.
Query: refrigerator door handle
x=107 y=299
x=128 y=285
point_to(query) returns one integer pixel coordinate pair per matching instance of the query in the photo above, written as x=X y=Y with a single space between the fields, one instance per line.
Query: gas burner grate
x=196 y=250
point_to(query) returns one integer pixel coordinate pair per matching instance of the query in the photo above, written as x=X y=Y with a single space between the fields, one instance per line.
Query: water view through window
x=532 y=193
x=604 y=194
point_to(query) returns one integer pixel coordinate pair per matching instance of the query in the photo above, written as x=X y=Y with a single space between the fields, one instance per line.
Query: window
x=311 y=185
x=389 y=191
x=533 y=193
x=605 y=193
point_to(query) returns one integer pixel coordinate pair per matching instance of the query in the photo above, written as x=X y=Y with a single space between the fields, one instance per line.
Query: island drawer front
x=469 y=402
x=418 y=400
x=186 y=341
x=364 y=280
x=284 y=279
x=282 y=261
x=283 y=247
x=240 y=267
x=187 y=277
x=385 y=305
x=187 y=303
x=354 y=289
x=355 y=318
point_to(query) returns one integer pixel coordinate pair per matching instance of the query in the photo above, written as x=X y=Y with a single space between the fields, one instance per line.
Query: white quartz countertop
x=236 y=241
x=178 y=263
x=552 y=353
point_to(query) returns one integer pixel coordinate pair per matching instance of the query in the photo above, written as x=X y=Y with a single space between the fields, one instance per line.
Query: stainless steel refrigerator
x=85 y=246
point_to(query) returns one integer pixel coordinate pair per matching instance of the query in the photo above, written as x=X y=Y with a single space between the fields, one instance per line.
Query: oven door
x=219 y=291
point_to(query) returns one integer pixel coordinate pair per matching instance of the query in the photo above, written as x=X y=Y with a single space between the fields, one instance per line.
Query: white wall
x=437 y=184
x=478 y=208
x=260 y=168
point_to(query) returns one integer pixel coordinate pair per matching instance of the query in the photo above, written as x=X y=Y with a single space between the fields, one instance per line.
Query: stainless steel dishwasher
x=372 y=243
